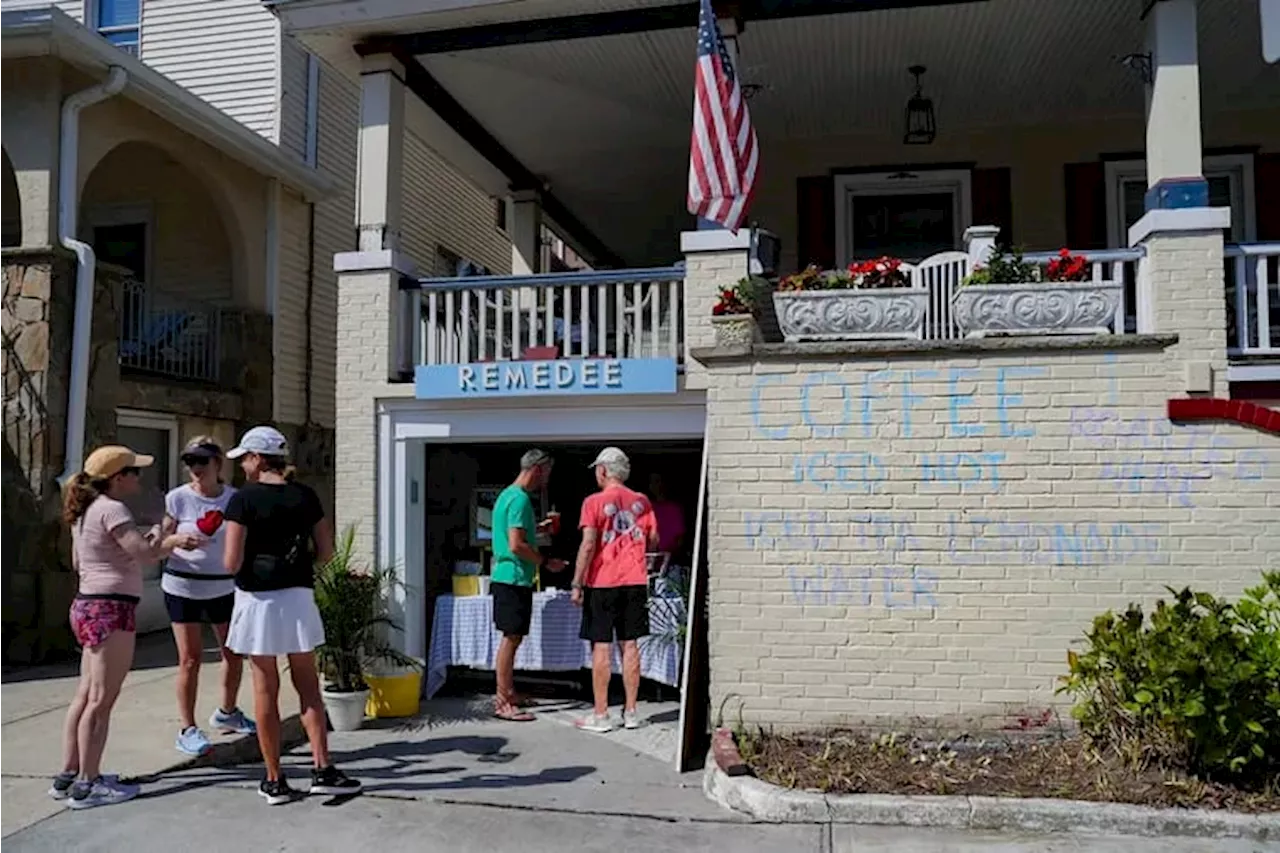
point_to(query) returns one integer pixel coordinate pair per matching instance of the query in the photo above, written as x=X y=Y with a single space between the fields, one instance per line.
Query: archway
x=11 y=230
x=144 y=210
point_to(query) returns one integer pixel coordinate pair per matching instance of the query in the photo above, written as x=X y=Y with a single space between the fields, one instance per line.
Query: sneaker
x=61 y=787
x=234 y=722
x=333 y=782
x=631 y=719
x=595 y=723
x=276 y=793
x=192 y=741
x=104 y=791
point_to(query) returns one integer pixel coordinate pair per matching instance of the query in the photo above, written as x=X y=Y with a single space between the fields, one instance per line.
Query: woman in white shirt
x=198 y=590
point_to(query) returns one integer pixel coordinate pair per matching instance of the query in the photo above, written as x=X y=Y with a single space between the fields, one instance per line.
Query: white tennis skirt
x=275 y=622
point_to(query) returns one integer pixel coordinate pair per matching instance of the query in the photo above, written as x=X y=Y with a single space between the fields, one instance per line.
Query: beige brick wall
x=706 y=274
x=926 y=538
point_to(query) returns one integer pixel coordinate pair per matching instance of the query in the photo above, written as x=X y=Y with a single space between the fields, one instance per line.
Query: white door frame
x=405 y=427
x=958 y=182
x=1239 y=167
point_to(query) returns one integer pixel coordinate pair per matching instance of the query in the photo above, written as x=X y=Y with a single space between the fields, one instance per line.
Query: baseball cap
x=533 y=458
x=263 y=440
x=611 y=456
x=112 y=459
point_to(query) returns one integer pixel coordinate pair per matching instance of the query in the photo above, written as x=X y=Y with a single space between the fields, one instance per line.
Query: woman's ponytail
x=79 y=493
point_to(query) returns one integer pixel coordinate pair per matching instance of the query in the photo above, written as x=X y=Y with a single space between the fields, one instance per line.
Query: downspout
x=86 y=263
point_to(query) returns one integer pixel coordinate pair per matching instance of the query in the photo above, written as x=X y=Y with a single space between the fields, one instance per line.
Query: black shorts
x=512 y=608
x=618 y=611
x=215 y=611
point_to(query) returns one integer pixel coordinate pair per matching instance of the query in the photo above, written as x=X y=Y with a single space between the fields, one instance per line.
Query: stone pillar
x=380 y=166
x=371 y=314
x=714 y=260
x=1181 y=290
x=524 y=226
x=1174 y=152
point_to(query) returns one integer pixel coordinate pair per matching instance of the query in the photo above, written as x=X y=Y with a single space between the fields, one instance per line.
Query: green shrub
x=1196 y=688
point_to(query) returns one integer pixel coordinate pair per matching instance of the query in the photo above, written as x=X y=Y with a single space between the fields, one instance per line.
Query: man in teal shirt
x=515 y=561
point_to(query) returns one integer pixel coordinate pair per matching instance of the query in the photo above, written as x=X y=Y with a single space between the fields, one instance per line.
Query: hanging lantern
x=922 y=127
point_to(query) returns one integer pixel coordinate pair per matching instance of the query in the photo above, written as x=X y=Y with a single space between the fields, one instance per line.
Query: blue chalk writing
x=768 y=432
x=910 y=399
x=963 y=468
x=806 y=413
x=856 y=472
x=1004 y=399
x=973 y=539
x=788 y=531
x=897 y=587
x=957 y=400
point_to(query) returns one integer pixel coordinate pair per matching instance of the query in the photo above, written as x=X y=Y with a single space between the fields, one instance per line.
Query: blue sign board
x=550 y=377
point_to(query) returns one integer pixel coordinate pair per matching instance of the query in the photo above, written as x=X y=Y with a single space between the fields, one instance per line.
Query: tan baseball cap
x=112 y=459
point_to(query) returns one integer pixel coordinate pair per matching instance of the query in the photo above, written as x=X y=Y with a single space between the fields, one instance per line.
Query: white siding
x=442 y=208
x=74 y=8
x=227 y=52
x=334 y=232
x=293 y=97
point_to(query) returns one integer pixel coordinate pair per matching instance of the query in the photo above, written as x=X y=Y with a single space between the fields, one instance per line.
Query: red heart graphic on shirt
x=210 y=522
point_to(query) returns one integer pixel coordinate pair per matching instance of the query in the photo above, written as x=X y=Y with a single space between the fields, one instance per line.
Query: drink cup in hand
x=555 y=565
x=551 y=524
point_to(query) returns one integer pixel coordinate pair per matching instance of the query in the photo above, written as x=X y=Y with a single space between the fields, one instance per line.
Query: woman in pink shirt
x=108 y=553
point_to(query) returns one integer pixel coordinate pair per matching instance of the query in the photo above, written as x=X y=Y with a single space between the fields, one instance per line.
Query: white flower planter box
x=736 y=330
x=852 y=315
x=1037 y=308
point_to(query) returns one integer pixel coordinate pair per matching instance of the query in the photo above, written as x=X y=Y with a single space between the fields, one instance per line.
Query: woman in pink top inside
x=108 y=553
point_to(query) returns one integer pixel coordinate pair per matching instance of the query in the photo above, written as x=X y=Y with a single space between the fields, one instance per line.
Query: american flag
x=723 y=152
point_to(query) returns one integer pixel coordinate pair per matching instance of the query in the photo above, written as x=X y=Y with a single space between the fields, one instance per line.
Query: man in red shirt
x=611 y=583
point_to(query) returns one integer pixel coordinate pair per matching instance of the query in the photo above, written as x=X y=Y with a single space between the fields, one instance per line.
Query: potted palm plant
x=1008 y=295
x=352 y=600
x=865 y=301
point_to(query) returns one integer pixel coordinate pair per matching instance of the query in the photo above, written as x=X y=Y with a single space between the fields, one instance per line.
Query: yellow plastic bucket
x=394 y=695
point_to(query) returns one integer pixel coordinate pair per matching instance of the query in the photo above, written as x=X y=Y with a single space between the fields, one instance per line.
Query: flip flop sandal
x=515 y=716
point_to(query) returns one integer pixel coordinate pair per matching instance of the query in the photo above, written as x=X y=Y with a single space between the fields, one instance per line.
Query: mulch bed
x=1060 y=766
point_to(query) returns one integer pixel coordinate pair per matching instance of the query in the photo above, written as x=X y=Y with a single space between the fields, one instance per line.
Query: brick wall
x=898 y=538
x=903 y=534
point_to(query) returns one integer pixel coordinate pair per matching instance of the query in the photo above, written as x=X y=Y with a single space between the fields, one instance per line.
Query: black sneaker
x=333 y=782
x=276 y=793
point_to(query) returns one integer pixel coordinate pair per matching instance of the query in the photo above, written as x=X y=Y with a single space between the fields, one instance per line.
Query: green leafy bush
x=1197 y=687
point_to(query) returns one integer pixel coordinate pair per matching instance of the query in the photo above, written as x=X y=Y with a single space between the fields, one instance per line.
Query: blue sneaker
x=192 y=741
x=234 y=722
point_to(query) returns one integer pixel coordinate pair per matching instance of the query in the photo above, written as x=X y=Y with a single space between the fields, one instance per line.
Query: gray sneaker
x=631 y=719
x=595 y=723
x=101 y=792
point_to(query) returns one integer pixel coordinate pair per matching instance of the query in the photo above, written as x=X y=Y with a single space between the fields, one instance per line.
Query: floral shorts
x=95 y=619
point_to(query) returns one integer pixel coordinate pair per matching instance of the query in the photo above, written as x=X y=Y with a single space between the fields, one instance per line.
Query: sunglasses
x=195 y=461
x=131 y=471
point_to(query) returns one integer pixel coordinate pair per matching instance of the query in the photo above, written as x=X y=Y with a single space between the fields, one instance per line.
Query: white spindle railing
x=594 y=314
x=1253 y=299
x=168 y=334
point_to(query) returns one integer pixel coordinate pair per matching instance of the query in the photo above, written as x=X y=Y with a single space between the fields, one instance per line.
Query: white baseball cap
x=611 y=456
x=263 y=440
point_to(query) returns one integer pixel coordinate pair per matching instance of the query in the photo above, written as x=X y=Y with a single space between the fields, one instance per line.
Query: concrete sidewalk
x=34 y=703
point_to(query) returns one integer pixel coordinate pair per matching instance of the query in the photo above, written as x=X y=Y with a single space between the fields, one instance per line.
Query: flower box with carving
x=869 y=300
x=1010 y=296
x=733 y=316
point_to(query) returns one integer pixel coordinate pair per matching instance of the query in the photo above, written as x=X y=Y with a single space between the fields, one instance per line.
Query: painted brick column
x=380 y=164
x=369 y=308
x=714 y=260
x=1181 y=289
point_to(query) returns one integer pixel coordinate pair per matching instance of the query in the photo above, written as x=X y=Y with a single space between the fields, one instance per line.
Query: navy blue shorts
x=215 y=611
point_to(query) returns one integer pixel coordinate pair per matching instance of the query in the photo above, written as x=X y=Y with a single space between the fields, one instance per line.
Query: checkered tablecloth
x=462 y=634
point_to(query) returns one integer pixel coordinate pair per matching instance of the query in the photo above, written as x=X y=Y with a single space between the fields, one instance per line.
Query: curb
x=771 y=804
x=242 y=750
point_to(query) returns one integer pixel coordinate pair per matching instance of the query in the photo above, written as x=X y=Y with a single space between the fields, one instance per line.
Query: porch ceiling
x=606 y=120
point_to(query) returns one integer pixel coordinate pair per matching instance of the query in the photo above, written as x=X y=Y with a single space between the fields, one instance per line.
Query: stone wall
x=39 y=298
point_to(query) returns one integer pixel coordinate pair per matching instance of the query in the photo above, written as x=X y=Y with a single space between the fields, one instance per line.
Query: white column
x=524 y=226
x=380 y=167
x=1174 y=150
x=713 y=261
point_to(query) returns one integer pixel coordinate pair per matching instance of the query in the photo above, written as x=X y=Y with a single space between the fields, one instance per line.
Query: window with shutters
x=908 y=215
x=1230 y=180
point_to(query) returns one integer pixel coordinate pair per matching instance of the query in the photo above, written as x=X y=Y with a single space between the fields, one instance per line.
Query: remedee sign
x=582 y=376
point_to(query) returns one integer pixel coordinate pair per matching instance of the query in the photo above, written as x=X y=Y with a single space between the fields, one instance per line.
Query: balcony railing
x=164 y=334
x=593 y=314
x=1253 y=299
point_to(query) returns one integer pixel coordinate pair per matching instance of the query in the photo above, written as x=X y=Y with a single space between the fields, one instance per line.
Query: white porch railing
x=632 y=313
x=942 y=273
x=1253 y=299
x=168 y=334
